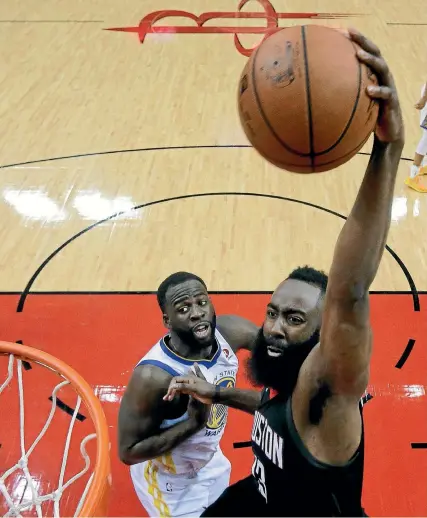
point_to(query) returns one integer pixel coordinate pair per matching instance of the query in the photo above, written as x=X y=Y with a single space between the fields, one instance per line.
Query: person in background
x=417 y=170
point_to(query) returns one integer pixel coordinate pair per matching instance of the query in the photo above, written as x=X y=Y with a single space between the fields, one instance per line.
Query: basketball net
x=93 y=501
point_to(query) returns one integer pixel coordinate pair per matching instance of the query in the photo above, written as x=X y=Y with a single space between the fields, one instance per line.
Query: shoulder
x=160 y=356
x=234 y=321
x=154 y=351
x=147 y=374
x=147 y=384
x=239 y=332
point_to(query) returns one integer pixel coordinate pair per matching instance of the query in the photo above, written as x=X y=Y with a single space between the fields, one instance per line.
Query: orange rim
x=96 y=502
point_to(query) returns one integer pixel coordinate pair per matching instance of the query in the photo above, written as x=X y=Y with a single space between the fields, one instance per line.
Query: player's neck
x=188 y=351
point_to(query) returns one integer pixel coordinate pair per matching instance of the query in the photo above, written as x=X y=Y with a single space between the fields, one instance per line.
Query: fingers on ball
x=380 y=92
x=377 y=65
x=363 y=42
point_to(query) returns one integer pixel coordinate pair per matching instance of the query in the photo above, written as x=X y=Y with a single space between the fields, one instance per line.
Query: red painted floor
x=103 y=337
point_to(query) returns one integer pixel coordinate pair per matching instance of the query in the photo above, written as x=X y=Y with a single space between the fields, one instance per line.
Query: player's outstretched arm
x=141 y=412
x=345 y=347
x=239 y=332
x=241 y=399
x=198 y=388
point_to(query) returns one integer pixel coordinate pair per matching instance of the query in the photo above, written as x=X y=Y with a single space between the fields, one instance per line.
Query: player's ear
x=166 y=321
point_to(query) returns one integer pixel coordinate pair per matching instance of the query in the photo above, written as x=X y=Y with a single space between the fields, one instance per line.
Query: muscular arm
x=246 y=400
x=346 y=333
x=345 y=347
x=239 y=332
x=325 y=401
x=141 y=412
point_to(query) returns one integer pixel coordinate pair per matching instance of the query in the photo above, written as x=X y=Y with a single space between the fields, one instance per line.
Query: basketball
x=302 y=99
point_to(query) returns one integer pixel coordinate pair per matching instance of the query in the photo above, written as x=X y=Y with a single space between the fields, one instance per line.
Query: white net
x=36 y=499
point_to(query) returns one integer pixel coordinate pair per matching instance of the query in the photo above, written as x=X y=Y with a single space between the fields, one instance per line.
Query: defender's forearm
x=246 y=400
x=159 y=444
x=362 y=240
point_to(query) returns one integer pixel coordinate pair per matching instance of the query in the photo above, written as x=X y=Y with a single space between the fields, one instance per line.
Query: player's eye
x=295 y=320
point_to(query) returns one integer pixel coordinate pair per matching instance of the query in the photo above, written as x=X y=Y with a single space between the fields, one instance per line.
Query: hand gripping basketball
x=390 y=127
x=303 y=101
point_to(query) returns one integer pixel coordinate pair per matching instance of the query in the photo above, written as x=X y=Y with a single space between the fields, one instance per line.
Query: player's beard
x=188 y=338
x=279 y=373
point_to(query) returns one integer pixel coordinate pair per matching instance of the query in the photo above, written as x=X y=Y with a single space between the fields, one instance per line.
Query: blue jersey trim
x=161 y=365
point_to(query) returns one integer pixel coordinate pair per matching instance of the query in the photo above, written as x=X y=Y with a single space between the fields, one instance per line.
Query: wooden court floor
x=123 y=160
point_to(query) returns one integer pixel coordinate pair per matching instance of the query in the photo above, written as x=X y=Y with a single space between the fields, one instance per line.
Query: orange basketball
x=302 y=99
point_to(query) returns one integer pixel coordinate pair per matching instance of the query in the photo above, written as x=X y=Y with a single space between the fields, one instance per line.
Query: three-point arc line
x=26 y=291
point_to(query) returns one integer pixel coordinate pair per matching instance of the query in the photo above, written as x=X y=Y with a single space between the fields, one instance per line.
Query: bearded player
x=314 y=351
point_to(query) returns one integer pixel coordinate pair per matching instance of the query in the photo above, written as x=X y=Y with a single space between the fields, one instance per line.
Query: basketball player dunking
x=177 y=466
x=307 y=438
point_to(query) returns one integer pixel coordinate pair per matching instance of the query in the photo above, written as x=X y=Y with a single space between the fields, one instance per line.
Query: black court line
x=404 y=24
x=26 y=291
x=398 y=292
x=136 y=150
x=405 y=354
x=213 y=292
x=366 y=398
x=419 y=445
x=139 y=150
x=242 y=444
x=408 y=277
x=70 y=411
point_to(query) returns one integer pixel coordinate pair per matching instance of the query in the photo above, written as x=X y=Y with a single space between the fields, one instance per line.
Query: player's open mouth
x=202 y=330
x=273 y=351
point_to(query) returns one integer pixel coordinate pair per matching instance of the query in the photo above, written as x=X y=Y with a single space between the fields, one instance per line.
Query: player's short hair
x=173 y=280
x=311 y=276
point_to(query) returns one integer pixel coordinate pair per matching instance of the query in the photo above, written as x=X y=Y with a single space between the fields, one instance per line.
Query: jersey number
x=258 y=473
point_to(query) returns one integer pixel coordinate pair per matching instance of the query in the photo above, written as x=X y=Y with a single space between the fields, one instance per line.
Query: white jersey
x=196 y=451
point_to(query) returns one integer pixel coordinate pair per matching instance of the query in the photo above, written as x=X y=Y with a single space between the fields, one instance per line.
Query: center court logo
x=149 y=24
x=218 y=413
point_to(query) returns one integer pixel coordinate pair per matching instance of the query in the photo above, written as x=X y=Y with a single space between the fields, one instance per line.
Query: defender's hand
x=198 y=412
x=420 y=104
x=194 y=385
x=390 y=126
